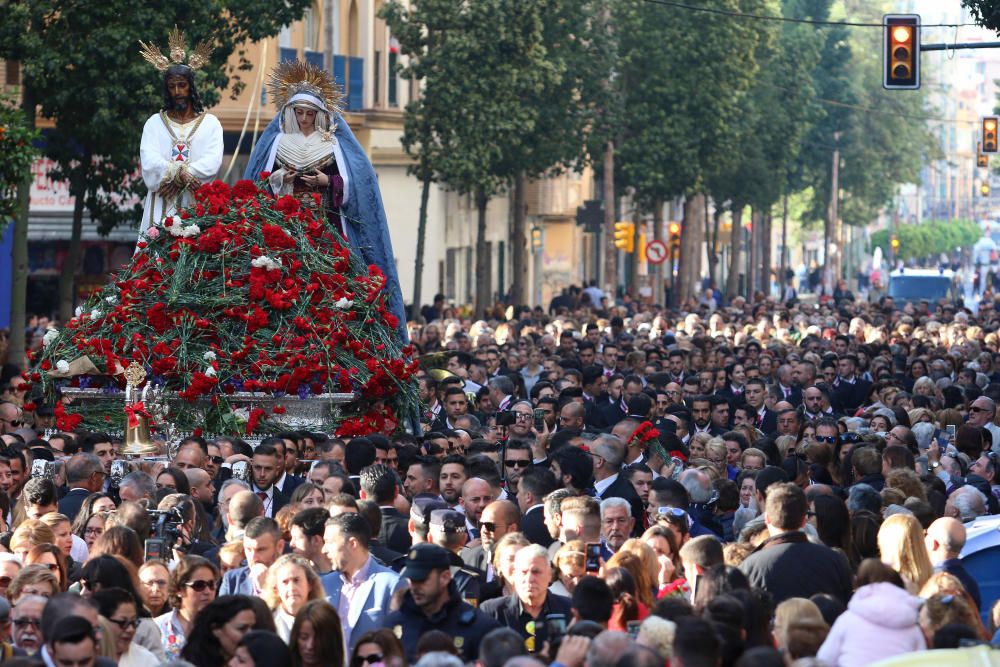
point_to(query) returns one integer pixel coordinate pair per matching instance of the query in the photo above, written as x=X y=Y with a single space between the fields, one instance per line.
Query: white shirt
x=603 y=485
x=79 y=553
x=268 y=501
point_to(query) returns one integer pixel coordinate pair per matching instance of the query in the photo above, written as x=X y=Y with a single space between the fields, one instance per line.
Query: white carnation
x=184 y=231
x=49 y=336
x=265 y=262
x=95 y=313
x=210 y=372
x=62 y=366
x=343 y=303
x=208 y=356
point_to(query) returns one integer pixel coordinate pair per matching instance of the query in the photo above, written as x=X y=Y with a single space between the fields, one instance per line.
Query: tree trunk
x=67 y=277
x=753 y=257
x=519 y=246
x=784 y=243
x=765 y=255
x=482 y=257
x=735 y=250
x=418 y=264
x=690 y=253
x=19 y=253
x=633 y=274
x=610 y=251
x=712 y=232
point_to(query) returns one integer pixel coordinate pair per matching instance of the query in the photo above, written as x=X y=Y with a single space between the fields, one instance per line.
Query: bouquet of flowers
x=240 y=293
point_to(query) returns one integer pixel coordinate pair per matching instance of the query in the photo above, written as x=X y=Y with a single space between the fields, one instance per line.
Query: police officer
x=447 y=530
x=433 y=603
x=419 y=524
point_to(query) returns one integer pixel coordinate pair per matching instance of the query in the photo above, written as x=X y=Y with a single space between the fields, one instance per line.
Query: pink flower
x=152 y=233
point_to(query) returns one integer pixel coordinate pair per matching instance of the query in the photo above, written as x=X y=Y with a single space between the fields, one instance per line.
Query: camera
x=42 y=469
x=118 y=471
x=241 y=471
x=165 y=533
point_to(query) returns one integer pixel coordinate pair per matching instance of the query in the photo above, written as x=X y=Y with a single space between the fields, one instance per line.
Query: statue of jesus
x=181 y=144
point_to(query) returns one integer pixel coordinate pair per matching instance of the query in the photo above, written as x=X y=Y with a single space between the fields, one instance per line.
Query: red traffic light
x=990 y=125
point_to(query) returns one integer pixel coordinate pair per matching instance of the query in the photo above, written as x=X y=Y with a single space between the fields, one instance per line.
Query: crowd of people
x=758 y=484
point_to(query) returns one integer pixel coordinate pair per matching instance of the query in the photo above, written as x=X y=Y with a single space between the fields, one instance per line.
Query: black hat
x=449 y=521
x=423 y=559
x=423 y=505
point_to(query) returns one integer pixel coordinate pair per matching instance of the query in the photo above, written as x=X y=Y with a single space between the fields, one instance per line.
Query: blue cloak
x=364 y=214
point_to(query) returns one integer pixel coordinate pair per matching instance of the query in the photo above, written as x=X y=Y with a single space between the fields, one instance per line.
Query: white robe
x=159 y=163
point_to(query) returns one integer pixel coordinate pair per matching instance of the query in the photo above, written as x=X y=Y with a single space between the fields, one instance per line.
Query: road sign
x=656 y=252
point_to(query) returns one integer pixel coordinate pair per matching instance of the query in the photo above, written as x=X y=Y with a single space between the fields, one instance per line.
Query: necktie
x=262 y=496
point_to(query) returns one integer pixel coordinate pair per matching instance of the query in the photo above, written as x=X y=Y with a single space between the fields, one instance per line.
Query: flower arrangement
x=240 y=293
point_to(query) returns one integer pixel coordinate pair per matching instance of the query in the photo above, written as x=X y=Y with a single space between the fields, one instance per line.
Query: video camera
x=165 y=533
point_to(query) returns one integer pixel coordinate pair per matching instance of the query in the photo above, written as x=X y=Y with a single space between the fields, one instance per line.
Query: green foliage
x=683 y=81
x=884 y=137
x=81 y=66
x=16 y=137
x=985 y=12
x=929 y=238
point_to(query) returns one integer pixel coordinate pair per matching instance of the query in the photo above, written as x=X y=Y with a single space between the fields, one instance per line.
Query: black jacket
x=790 y=566
x=395 y=532
x=477 y=559
x=70 y=503
x=465 y=624
x=507 y=611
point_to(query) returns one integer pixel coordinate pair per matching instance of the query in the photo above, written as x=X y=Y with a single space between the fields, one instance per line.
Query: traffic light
x=675 y=237
x=981 y=159
x=990 y=124
x=895 y=244
x=985 y=189
x=625 y=236
x=901 y=57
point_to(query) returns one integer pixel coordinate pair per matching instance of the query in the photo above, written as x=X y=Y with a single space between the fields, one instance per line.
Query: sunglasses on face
x=218 y=460
x=518 y=464
x=826 y=438
x=976 y=408
x=200 y=586
x=369 y=659
x=488 y=526
x=125 y=623
x=28 y=622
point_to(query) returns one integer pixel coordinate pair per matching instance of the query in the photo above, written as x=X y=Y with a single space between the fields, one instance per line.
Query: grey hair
x=439 y=659
x=144 y=485
x=609 y=503
x=606 y=648
x=233 y=482
x=535 y=551
x=864 y=497
x=965 y=500
x=691 y=479
x=502 y=384
x=610 y=448
x=81 y=466
x=923 y=432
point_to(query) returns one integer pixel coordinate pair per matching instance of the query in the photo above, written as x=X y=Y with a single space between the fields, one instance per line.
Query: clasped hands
x=183 y=180
x=314 y=179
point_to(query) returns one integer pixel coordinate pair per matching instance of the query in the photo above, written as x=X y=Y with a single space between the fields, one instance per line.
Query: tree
x=985 y=12
x=679 y=104
x=490 y=60
x=80 y=67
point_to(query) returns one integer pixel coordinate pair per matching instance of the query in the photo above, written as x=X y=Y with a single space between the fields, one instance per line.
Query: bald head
x=476 y=495
x=243 y=507
x=504 y=510
x=945 y=539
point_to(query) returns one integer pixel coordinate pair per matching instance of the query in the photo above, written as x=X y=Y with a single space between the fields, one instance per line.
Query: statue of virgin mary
x=308 y=148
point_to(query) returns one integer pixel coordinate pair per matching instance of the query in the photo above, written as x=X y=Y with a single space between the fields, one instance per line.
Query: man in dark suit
x=68 y=623
x=531 y=602
x=84 y=475
x=755 y=392
x=945 y=540
x=849 y=389
x=378 y=484
x=536 y=483
x=268 y=465
x=608 y=453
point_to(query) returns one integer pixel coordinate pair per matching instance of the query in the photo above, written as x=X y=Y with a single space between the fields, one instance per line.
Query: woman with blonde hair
x=944 y=609
x=51 y=557
x=33 y=580
x=901 y=545
x=291 y=583
x=30 y=533
x=640 y=560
